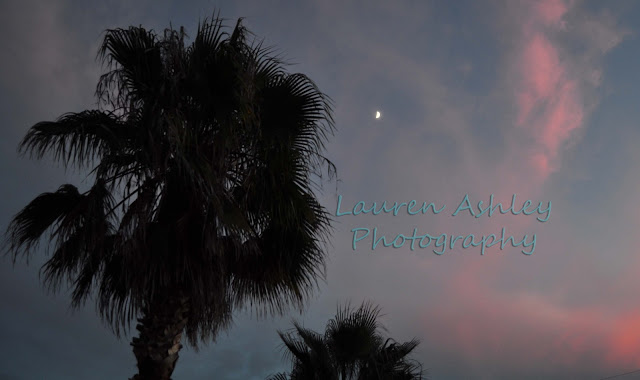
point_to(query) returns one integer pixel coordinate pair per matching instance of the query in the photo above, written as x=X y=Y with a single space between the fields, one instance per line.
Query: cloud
x=558 y=69
x=549 y=104
x=549 y=74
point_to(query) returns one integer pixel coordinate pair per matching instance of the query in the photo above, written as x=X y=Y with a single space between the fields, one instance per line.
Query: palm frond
x=83 y=238
x=350 y=348
x=76 y=137
x=42 y=213
x=278 y=376
x=135 y=63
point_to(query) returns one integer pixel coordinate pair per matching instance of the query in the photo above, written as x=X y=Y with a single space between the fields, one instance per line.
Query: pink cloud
x=541 y=67
x=478 y=306
x=549 y=103
x=562 y=118
x=550 y=12
x=624 y=342
x=482 y=320
x=525 y=329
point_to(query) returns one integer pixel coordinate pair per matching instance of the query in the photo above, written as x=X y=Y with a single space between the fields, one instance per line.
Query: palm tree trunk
x=160 y=331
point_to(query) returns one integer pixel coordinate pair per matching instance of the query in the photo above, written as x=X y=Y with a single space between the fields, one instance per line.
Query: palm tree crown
x=205 y=160
x=351 y=348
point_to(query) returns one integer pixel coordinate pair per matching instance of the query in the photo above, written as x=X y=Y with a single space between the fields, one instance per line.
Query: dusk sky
x=537 y=99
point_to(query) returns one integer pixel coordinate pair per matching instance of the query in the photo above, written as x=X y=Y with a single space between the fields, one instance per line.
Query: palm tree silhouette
x=205 y=160
x=352 y=347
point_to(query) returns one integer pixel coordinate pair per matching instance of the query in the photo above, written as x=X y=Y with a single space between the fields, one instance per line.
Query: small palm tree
x=204 y=160
x=351 y=348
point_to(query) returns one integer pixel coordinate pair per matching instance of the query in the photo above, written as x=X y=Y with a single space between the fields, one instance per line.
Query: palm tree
x=351 y=348
x=205 y=161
